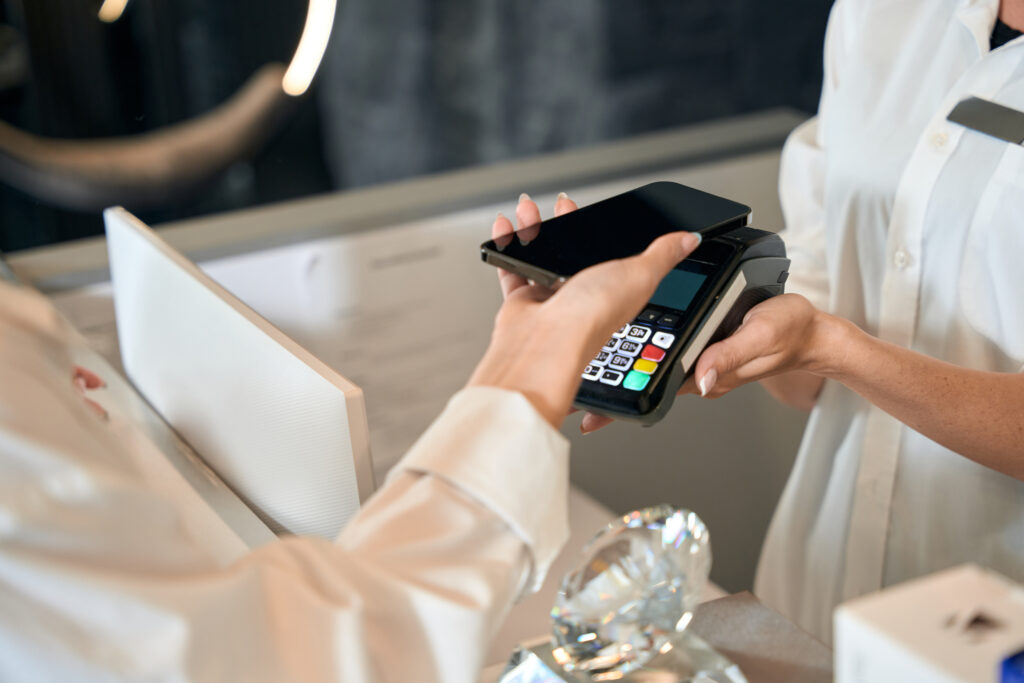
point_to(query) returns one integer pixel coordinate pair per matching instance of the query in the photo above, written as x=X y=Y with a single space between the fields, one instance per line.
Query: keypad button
x=592 y=372
x=652 y=352
x=620 y=362
x=668 y=320
x=611 y=377
x=638 y=333
x=649 y=315
x=636 y=381
x=611 y=345
x=629 y=348
x=621 y=332
x=645 y=366
x=601 y=358
x=663 y=339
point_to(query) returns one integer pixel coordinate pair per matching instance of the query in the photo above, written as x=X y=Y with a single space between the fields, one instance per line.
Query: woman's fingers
x=95 y=407
x=564 y=205
x=501 y=232
x=666 y=252
x=616 y=290
x=592 y=422
x=717 y=365
x=689 y=387
x=528 y=219
x=770 y=341
x=83 y=378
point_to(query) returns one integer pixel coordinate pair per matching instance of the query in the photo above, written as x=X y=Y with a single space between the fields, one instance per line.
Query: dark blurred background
x=407 y=87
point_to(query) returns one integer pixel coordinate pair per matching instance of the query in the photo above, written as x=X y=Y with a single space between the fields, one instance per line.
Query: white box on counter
x=956 y=626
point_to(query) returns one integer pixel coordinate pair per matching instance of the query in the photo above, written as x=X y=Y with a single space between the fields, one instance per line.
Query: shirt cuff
x=493 y=445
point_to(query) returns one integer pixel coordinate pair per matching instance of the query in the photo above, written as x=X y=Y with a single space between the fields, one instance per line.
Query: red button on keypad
x=652 y=352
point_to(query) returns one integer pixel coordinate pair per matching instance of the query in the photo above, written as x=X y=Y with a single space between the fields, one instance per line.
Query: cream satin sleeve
x=100 y=581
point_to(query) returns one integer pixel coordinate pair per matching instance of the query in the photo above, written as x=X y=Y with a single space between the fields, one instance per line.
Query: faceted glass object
x=633 y=593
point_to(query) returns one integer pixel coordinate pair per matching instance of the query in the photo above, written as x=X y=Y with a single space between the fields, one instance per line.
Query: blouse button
x=901 y=259
x=939 y=139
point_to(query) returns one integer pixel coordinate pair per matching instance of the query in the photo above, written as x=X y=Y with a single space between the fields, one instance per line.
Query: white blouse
x=104 y=577
x=912 y=227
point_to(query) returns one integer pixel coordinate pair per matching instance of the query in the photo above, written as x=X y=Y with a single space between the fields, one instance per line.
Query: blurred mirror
x=178 y=108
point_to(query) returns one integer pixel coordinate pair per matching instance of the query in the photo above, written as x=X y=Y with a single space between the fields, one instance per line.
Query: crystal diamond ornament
x=633 y=593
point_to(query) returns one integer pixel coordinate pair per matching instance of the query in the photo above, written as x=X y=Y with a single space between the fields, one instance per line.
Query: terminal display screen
x=678 y=289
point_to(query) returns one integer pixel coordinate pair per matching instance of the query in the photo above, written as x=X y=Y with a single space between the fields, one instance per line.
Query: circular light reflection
x=312 y=45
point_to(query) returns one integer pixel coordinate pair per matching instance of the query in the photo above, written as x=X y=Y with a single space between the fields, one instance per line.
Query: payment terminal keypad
x=629 y=348
x=638 y=333
x=620 y=362
x=635 y=351
x=611 y=377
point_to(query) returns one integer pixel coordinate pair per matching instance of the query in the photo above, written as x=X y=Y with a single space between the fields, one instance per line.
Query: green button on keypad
x=636 y=380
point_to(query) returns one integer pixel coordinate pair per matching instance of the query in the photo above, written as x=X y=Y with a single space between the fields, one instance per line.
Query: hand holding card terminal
x=641 y=367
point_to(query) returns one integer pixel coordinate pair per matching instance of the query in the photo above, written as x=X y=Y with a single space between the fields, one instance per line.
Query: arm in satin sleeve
x=420 y=580
x=100 y=581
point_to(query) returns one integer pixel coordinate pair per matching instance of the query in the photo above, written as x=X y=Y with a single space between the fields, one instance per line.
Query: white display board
x=279 y=426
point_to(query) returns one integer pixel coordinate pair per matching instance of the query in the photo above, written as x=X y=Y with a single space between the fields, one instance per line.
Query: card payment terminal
x=638 y=372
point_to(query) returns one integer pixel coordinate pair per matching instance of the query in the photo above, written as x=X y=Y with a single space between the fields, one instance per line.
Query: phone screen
x=618 y=227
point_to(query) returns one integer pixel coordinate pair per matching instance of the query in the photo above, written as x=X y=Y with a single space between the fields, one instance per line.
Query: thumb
x=665 y=253
x=718 y=360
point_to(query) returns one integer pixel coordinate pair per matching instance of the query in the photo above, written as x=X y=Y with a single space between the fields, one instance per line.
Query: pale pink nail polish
x=707 y=382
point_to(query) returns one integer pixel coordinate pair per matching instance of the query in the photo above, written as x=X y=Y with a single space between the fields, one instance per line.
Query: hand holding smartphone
x=638 y=372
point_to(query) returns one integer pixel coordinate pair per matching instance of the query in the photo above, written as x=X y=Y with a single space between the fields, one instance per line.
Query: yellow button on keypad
x=645 y=366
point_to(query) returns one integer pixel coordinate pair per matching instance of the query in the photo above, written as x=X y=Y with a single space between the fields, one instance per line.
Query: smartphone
x=638 y=372
x=621 y=226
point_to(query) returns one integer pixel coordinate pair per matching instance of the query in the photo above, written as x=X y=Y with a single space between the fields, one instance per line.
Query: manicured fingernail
x=707 y=382
x=99 y=410
x=499 y=216
x=692 y=240
x=524 y=197
x=561 y=196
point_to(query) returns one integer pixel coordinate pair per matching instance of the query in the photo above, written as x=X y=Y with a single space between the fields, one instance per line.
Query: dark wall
x=414 y=86
x=407 y=87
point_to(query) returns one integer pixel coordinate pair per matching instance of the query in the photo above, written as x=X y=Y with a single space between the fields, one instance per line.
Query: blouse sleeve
x=802 y=183
x=100 y=581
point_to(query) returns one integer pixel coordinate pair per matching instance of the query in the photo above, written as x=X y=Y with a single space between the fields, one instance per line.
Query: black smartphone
x=703 y=299
x=623 y=225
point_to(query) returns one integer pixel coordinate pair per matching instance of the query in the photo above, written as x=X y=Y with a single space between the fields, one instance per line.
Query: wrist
x=829 y=344
x=544 y=373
